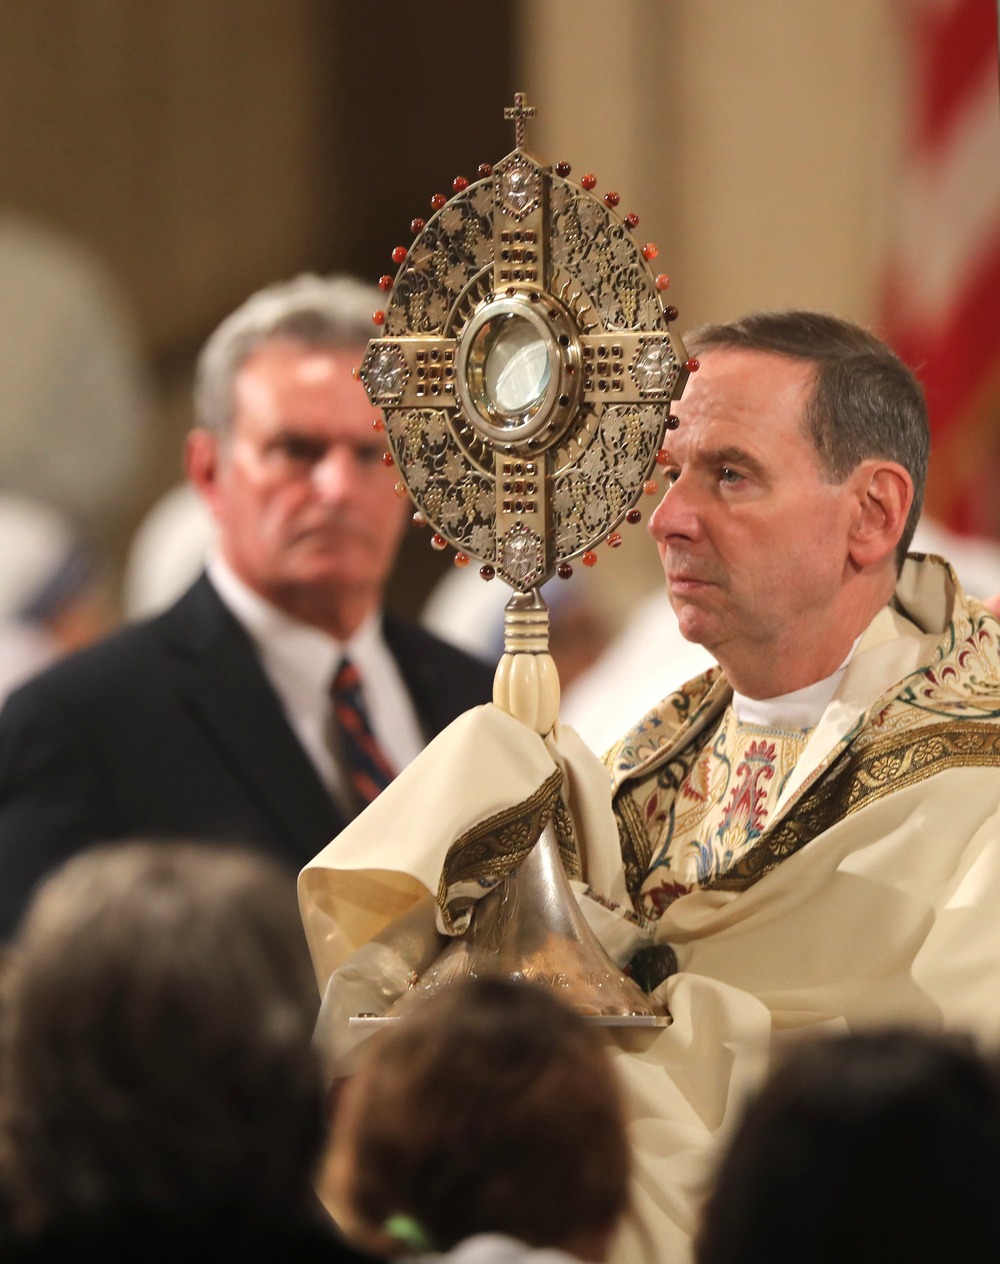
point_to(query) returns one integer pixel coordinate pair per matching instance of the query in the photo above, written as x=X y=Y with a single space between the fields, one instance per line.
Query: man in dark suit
x=215 y=719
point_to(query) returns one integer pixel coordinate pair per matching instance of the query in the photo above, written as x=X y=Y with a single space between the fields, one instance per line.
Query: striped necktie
x=361 y=758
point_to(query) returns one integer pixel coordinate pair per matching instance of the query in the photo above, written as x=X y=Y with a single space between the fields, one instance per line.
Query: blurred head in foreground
x=877 y=1148
x=489 y=1108
x=157 y=1026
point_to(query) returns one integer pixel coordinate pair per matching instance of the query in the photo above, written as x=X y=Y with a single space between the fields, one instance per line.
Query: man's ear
x=883 y=494
x=201 y=464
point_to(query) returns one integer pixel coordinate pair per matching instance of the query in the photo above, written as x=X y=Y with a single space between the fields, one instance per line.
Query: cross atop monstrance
x=519 y=112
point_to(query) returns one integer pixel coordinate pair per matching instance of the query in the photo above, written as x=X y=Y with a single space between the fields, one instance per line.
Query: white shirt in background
x=300 y=661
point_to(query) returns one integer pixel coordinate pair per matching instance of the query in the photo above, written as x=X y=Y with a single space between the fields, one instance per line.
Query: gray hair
x=317 y=311
x=866 y=402
x=156 y=1041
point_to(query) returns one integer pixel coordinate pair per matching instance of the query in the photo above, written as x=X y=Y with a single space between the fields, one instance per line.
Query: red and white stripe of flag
x=942 y=295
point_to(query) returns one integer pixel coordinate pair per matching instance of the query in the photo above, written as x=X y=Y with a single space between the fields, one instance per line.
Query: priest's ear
x=882 y=495
x=201 y=464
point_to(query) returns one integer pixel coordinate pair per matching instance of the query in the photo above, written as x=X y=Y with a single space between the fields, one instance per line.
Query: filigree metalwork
x=526 y=368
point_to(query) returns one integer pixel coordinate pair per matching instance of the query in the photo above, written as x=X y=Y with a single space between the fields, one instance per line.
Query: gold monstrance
x=524 y=374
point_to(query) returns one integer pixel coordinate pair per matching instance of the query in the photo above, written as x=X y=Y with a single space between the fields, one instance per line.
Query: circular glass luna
x=515 y=366
x=508 y=369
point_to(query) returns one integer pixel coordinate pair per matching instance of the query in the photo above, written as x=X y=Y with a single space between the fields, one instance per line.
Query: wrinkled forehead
x=734 y=381
x=749 y=402
x=289 y=379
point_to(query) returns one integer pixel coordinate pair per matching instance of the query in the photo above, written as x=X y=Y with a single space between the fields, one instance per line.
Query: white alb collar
x=800 y=709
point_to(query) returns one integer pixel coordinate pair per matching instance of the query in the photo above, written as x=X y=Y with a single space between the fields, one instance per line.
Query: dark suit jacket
x=169 y=728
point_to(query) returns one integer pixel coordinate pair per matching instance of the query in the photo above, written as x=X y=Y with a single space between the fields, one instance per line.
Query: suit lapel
x=418 y=655
x=230 y=697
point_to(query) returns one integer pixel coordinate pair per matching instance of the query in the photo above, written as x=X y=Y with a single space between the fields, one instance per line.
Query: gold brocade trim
x=637 y=846
x=493 y=849
x=634 y=842
x=861 y=777
x=659 y=728
x=569 y=847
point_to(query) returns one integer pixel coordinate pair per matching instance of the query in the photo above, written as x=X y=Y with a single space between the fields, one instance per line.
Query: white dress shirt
x=300 y=661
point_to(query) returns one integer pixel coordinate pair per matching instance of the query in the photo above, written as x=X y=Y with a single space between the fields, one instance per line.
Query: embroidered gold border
x=637 y=847
x=494 y=848
x=861 y=777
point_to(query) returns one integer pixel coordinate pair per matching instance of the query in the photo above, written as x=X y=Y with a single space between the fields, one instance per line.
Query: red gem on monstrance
x=650 y=250
x=438 y=200
x=385 y=282
x=417 y=225
x=589 y=181
x=460 y=184
x=611 y=199
x=398 y=254
x=631 y=220
x=563 y=169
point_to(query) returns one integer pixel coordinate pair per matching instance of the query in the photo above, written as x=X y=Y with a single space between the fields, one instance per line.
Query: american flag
x=942 y=290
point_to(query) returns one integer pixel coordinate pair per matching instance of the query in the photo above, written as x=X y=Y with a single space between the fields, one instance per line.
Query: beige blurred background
x=201 y=148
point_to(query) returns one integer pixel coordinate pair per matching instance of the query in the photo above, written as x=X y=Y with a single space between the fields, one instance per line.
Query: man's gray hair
x=865 y=403
x=319 y=312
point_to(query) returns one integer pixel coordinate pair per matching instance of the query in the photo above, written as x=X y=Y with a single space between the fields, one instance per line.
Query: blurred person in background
x=276 y=697
x=53 y=593
x=76 y=406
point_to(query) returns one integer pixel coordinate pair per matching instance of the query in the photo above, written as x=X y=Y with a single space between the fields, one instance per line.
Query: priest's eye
x=728 y=475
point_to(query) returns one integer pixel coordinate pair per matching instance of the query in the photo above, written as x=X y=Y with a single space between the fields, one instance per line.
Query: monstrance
x=524 y=373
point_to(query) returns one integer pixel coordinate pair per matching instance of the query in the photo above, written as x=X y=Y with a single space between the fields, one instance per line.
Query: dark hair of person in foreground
x=880 y=1148
x=489 y=1108
x=161 y=1096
